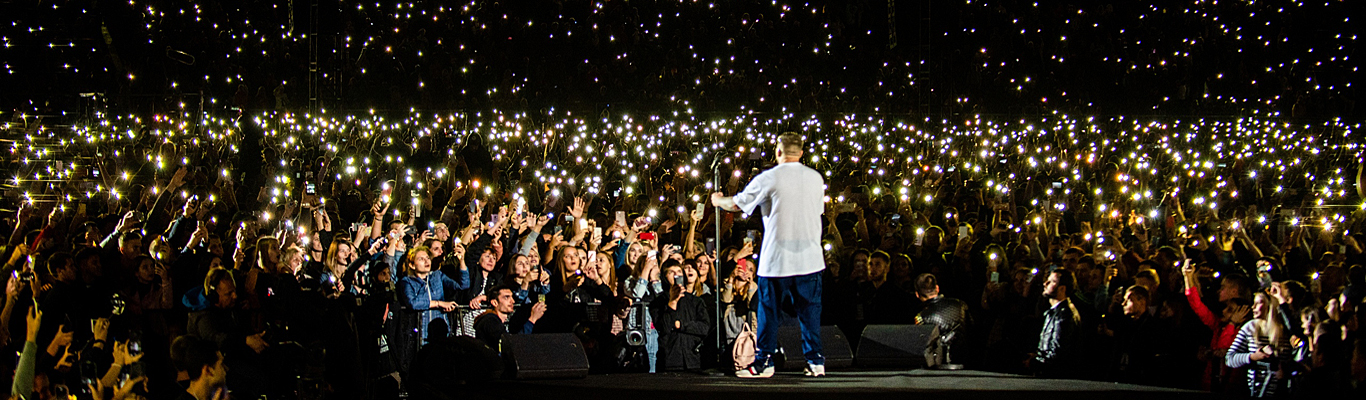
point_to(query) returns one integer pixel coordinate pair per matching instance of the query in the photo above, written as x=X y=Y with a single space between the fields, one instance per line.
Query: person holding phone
x=502 y=318
x=682 y=321
x=790 y=197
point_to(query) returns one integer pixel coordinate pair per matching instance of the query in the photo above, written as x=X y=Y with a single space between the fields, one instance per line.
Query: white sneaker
x=815 y=370
x=756 y=370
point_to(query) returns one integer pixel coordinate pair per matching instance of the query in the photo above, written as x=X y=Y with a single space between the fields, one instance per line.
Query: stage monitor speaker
x=909 y=346
x=544 y=356
x=833 y=343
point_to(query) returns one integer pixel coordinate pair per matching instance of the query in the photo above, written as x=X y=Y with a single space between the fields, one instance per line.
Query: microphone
x=716 y=159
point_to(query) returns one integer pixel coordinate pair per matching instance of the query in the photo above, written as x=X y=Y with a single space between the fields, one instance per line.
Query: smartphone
x=88 y=373
x=621 y=218
x=568 y=218
x=652 y=254
x=845 y=208
x=962 y=231
x=474 y=206
x=702 y=208
x=309 y=188
x=1057 y=185
x=597 y=231
x=646 y=236
x=711 y=246
x=995 y=277
x=540 y=298
x=919 y=236
x=749 y=236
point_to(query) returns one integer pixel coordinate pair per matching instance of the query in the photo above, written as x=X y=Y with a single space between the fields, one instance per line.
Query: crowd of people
x=332 y=293
x=1184 y=58
x=198 y=228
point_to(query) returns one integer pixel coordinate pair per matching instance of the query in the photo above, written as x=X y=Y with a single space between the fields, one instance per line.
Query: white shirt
x=790 y=197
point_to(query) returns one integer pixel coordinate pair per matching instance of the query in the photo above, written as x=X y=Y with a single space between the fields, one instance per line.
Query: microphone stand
x=716 y=263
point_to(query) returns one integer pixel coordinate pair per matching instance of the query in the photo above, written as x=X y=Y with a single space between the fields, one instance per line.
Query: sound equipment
x=909 y=346
x=544 y=356
x=834 y=345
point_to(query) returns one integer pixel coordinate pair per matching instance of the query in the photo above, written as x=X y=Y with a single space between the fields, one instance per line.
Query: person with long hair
x=706 y=267
x=737 y=294
x=579 y=283
x=695 y=283
x=682 y=321
x=1262 y=343
x=601 y=262
x=267 y=255
x=340 y=267
x=528 y=279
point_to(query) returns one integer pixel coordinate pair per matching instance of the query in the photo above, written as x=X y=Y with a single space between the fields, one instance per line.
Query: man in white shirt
x=790 y=198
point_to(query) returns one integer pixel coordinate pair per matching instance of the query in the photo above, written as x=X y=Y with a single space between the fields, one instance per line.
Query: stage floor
x=865 y=385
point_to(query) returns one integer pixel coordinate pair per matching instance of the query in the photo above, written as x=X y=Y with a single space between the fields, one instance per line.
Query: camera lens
x=635 y=338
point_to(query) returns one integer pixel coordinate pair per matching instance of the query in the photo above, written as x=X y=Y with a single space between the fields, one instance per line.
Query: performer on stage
x=789 y=197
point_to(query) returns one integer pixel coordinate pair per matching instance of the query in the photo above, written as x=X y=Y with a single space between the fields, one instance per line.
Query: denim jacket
x=418 y=294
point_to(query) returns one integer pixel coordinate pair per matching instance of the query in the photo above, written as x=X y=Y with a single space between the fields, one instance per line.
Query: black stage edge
x=863 y=385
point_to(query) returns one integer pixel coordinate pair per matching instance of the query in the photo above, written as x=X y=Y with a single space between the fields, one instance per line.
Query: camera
x=635 y=323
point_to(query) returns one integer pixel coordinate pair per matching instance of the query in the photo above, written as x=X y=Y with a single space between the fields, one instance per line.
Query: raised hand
x=177 y=179
x=745 y=251
x=128 y=222
x=667 y=226
x=458 y=251
x=577 y=209
x=34 y=319
x=100 y=329
x=1239 y=314
x=537 y=311
x=474 y=303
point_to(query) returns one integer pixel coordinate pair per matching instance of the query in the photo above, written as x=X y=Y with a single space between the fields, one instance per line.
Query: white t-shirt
x=791 y=198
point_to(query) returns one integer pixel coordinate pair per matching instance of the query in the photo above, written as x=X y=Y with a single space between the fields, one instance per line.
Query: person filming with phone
x=790 y=197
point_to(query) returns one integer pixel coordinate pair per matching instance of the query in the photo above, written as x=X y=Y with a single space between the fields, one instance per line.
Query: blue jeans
x=805 y=291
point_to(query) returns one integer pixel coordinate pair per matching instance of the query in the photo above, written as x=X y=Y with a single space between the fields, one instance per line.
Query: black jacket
x=949 y=314
x=1058 y=340
x=679 y=348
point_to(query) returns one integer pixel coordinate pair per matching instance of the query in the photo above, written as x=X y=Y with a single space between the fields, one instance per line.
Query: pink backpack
x=743 y=352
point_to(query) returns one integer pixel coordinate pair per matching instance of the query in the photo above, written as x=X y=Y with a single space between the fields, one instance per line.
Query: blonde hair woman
x=1261 y=346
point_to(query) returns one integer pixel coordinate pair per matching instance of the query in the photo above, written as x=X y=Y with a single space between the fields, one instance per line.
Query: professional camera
x=635 y=323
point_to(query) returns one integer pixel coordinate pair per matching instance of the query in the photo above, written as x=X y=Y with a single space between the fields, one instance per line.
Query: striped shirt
x=1261 y=375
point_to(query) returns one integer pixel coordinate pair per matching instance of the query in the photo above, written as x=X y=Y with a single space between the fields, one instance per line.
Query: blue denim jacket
x=418 y=294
